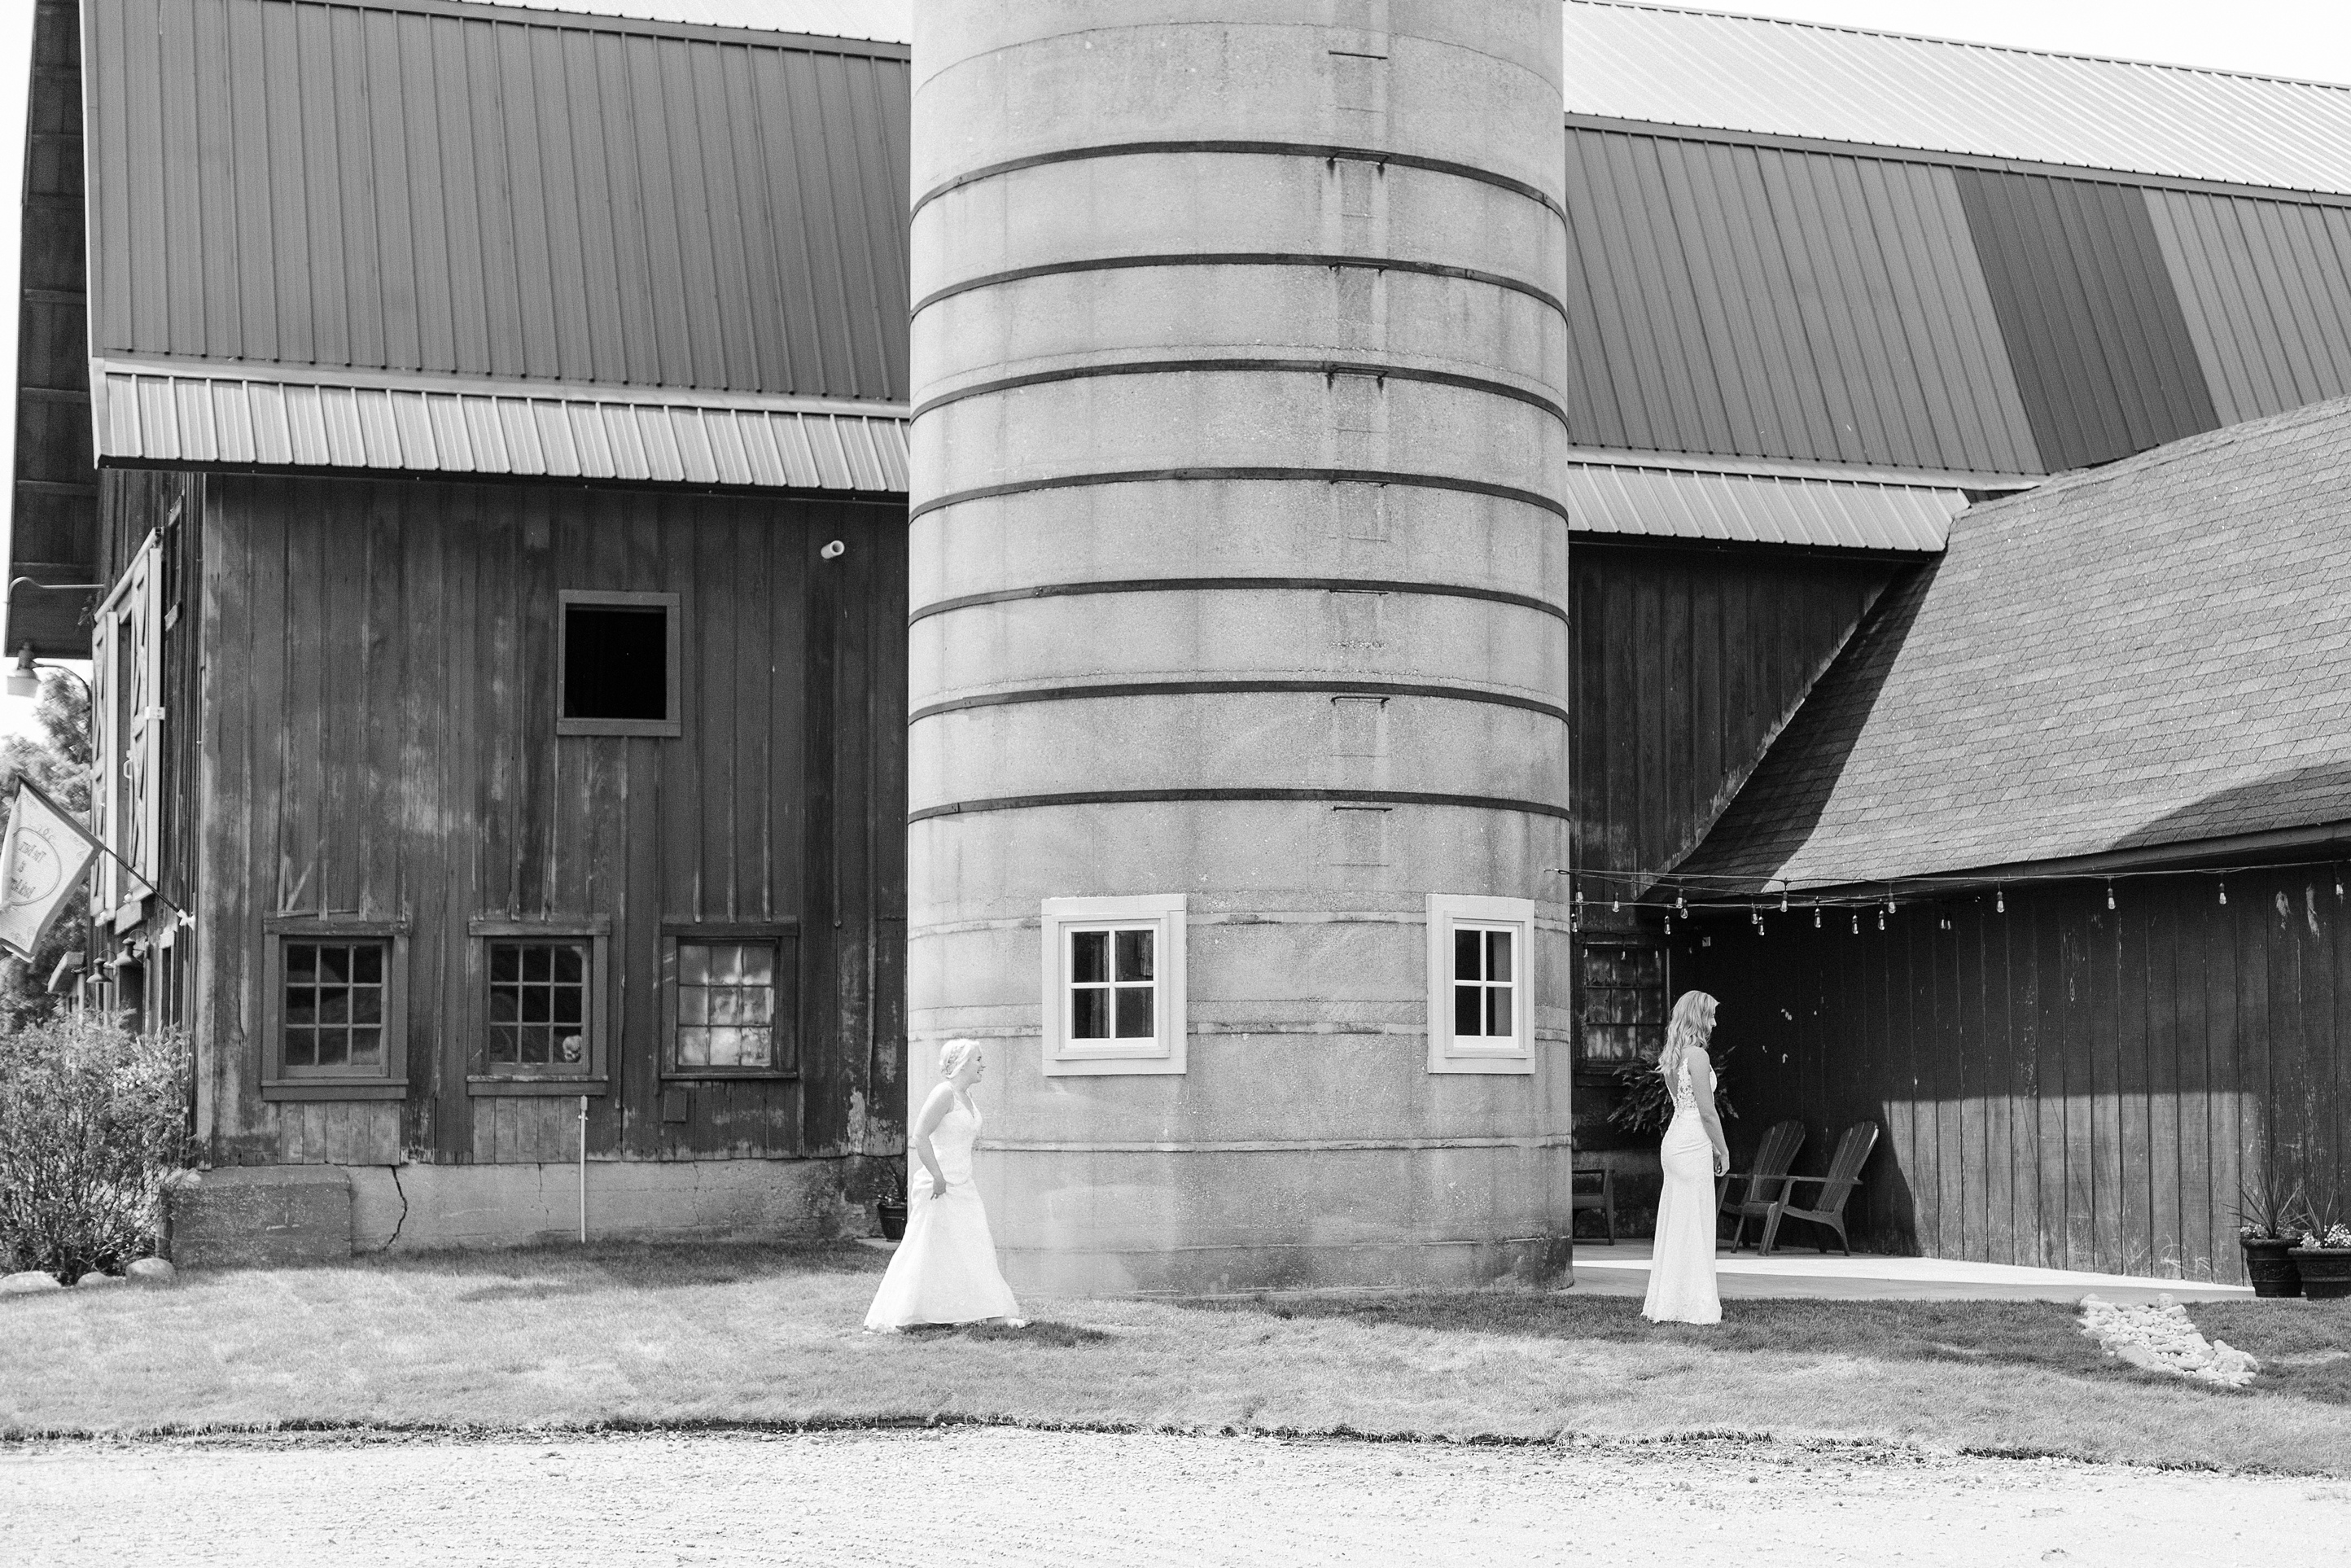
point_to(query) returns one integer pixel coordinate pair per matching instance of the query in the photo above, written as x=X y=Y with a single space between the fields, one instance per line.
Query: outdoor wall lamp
x=24 y=675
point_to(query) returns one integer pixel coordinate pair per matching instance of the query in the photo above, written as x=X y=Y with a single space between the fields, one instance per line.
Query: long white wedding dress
x=945 y=1271
x=1681 y=1267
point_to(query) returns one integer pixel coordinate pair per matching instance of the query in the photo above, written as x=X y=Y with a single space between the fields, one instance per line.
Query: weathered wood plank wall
x=2059 y=1085
x=378 y=740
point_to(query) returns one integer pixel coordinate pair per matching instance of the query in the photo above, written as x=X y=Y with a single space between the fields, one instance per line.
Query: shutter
x=148 y=611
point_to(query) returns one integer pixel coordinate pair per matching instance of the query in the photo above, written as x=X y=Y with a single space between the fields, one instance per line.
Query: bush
x=93 y=1123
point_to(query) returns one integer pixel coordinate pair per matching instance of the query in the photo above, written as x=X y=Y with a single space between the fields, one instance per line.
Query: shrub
x=93 y=1123
x=1644 y=1103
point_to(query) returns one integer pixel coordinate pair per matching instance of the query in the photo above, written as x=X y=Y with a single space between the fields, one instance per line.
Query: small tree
x=92 y=1126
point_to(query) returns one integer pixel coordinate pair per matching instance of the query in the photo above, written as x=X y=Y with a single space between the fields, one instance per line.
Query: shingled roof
x=2153 y=653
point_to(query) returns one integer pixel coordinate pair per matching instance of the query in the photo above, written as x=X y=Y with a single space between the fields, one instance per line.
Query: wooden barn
x=2048 y=875
x=489 y=427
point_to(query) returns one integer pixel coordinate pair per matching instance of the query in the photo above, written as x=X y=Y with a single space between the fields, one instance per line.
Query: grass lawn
x=751 y=1335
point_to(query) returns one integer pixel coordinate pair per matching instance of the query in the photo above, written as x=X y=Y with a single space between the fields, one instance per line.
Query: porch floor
x=1623 y=1271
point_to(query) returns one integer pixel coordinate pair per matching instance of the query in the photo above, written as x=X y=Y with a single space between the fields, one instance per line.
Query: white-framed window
x=1113 y=984
x=1481 y=989
x=126 y=737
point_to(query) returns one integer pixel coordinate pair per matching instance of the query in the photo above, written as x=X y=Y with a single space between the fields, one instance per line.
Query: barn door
x=126 y=735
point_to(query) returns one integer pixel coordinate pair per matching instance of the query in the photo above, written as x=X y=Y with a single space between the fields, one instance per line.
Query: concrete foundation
x=270 y=1216
x=1238 y=352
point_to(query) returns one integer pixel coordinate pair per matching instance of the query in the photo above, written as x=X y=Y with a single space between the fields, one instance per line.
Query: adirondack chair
x=1766 y=1184
x=1828 y=1209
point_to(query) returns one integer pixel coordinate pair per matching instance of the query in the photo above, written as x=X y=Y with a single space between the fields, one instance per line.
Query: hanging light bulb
x=1816 y=917
x=2110 y=895
x=1617 y=906
x=1681 y=905
x=1999 y=900
x=1881 y=918
x=1784 y=904
x=2338 y=881
x=1578 y=898
x=2224 y=890
x=1669 y=924
x=1857 y=925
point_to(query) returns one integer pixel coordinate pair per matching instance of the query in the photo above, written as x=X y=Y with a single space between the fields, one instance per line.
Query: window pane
x=535 y=1004
x=1134 y=1012
x=759 y=965
x=535 y=961
x=615 y=661
x=504 y=1005
x=1497 y=955
x=1467 y=1010
x=534 y=1044
x=726 y=1046
x=367 y=1047
x=1498 y=1012
x=367 y=1004
x=505 y=1044
x=367 y=966
x=1465 y=956
x=301 y=1048
x=1089 y=956
x=1135 y=954
x=566 y=1004
x=301 y=1007
x=693 y=1005
x=757 y=1049
x=693 y=1046
x=726 y=963
x=1090 y=1015
x=334 y=1005
x=301 y=963
x=570 y=1048
x=334 y=1044
x=759 y=1005
x=506 y=962
x=693 y=963
x=334 y=965
x=726 y=1006
x=570 y=964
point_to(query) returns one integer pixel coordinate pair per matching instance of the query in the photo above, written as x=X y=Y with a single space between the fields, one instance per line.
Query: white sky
x=2305 y=39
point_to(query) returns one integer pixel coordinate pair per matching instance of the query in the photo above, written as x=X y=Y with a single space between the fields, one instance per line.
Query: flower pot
x=2325 y=1272
x=2269 y=1266
x=894 y=1218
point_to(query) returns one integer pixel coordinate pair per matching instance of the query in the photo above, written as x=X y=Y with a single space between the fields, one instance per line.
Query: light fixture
x=24 y=676
x=2000 y=901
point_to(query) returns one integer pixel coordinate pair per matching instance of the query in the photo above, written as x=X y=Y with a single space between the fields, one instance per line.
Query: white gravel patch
x=2159 y=1336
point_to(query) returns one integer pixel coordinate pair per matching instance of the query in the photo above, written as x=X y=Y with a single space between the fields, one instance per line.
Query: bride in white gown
x=1681 y=1268
x=945 y=1271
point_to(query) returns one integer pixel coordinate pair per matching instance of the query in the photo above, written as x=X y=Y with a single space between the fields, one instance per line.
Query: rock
x=30 y=1282
x=151 y=1272
x=2139 y=1355
x=95 y=1278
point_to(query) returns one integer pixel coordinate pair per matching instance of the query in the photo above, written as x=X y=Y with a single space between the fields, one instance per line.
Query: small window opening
x=1483 y=984
x=1112 y=985
x=615 y=661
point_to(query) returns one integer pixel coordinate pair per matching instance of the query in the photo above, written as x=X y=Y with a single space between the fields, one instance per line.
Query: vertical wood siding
x=1688 y=663
x=378 y=740
x=2060 y=1085
x=564 y=198
x=2265 y=286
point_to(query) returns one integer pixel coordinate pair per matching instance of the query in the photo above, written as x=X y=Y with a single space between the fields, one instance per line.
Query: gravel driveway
x=1000 y=1496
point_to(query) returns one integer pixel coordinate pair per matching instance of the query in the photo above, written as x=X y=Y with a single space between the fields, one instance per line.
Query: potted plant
x=1646 y=1104
x=2324 y=1258
x=892 y=1209
x=2266 y=1231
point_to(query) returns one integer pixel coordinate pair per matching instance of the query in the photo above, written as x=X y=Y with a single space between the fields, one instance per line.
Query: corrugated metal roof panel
x=2266 y=290
x=1797 y=78
x=1603 y=499
x=235 y=415
x=470 y=191
x=885 y=21
x=1759 y=303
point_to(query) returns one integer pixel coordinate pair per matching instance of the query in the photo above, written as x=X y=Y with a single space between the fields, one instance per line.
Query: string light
x=1681 y=906
x=1999 y=900
x=2224 y=890
x=1784 y=904
x=2338 y=881
x=2110 y=895
x=1881 y=918
x=1816 y=917
x=1857 y=925
x=1615 y=907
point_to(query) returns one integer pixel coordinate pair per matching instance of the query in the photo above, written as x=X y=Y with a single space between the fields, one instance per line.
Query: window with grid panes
x=1112 y=983
x=1484 y=984
x=726 y=1004
x=332 y=1008
x=539 y=1006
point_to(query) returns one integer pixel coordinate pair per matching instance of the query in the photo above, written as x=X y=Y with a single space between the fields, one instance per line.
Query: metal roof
x=1612 y=498
x=1797 y=78
x=881 y=21
x=180 y=415
x=416 y=187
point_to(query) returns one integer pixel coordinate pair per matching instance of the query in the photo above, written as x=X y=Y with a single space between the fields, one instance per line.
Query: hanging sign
x=43 y=858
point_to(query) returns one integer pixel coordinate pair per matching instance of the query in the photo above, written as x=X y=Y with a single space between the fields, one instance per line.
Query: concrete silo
x=1240 y=652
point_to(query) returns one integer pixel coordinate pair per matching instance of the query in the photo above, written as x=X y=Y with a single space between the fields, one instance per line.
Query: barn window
x=728 y=1002
x=1620 y=997
x=335 y=1008
x=618 y=664
x=542 y=1007
x=1480 y=984
x=1113 y=984
x=126 y=720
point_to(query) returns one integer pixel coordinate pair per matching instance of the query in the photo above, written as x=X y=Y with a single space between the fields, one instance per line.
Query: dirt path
x=1000 y=1496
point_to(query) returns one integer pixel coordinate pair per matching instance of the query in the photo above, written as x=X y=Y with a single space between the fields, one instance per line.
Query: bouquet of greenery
x=1646 y=1104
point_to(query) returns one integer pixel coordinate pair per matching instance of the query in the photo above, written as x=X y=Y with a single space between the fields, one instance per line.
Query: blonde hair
x=1693 y=1024
x=954 y=1054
